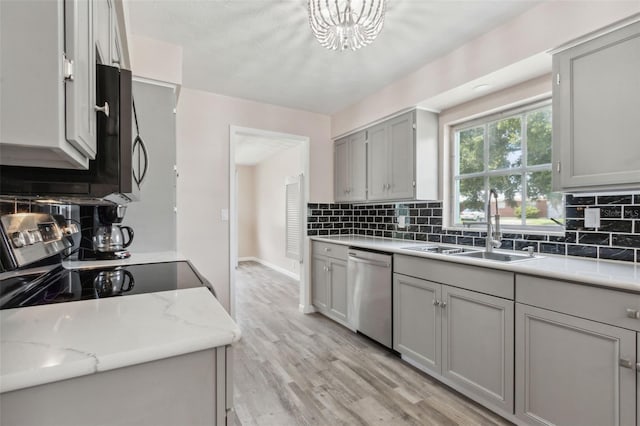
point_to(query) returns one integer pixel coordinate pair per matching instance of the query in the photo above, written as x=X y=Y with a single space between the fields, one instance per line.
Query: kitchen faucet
x=493 y=237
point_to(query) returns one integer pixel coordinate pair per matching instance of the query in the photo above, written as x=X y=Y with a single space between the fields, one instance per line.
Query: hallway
x=296 y=369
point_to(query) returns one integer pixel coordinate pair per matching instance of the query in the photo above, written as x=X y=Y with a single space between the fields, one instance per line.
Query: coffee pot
x=111 y=238
x=113 y=282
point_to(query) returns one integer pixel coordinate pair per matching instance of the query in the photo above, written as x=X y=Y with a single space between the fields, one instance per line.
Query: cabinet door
x=569 y=372
x=319 y=283
x=377 y=163
x=596 y=102
x=341 y=170
x=358 y=167
x=81 y=90
x=116 y=42
x=337 y=289
x=477 y=344
x=417 y=320
x=103 y=30
x=401 y=152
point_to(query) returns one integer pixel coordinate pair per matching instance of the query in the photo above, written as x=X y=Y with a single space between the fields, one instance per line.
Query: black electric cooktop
x=65 y=285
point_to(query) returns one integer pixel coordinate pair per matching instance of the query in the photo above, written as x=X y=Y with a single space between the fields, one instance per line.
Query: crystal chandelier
x=346 y=24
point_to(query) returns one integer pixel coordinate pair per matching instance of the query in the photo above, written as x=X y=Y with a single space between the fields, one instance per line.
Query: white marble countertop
x=47 y=343
x=616 y=275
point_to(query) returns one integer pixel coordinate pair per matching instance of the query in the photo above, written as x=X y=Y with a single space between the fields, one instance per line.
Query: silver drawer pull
x=633 y=313
x=443 y=305
x=327 y=249
x=436 y=302
x=627 y=364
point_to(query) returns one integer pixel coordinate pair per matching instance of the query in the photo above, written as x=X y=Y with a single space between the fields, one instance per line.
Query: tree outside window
x=511 y=153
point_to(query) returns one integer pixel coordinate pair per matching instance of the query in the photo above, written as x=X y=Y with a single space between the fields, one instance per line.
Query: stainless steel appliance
x=111 y=175
x=111 y=238
x=370 y=294
x=27 y=238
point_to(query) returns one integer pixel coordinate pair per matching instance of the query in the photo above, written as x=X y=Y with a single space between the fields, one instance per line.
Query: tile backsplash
x=617 y=238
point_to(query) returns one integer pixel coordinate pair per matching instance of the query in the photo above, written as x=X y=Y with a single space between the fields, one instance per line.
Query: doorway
x=261 y=163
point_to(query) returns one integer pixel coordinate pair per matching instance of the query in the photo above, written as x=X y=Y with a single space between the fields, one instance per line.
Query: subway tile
x=436 y=212
x=334 y=219
x=312 y=219
x=582 y=251
x=471 y=234
x=387 y=234
x=345 y=231
x=536 y=237
x=453 y=232
x=553 y=248
x=623 y=240
x=574 y=224
x=507 y=245
x=377 y=233
x=377 y=219
x=345 y=206
x=409 y=236
x=557 y=238
x=599 y=238
x=573 y=200
x=612 y=212
x=636 y=226
x=323 y=219
x=312 y=233
x=632 y=212
x=636 y=199
x=323 y=206
x=574 y=212
x=414 y=212
x=521 y=244
x=616 y=226
x=426 y=229
x=615 y=199
x=570 y=237
x=369 y=232
x=449 y=239
x=512 y=236
x=421 y=205
x=435 y=221
x=323 y=232
x=387 y=219
x=421 y=237
x=627 y=255
x=434 y=205
x=425 y=212
x=479 y=242
x=467 y=241
x=327 y=213
x=434 y=238
x=436 y=229
x=422 y=220
x=312 y=205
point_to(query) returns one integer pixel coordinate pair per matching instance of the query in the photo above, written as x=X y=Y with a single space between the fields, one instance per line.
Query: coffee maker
x=102 y=235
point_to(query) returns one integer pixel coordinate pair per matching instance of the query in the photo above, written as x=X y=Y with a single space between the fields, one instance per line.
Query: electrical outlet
x=592 y=218
x=402 y=222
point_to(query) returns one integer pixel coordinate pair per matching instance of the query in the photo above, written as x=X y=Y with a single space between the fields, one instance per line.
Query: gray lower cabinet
x=573 y=371
x=329 y=280
x=194 y=388
x=417 y=321
x=464 y=336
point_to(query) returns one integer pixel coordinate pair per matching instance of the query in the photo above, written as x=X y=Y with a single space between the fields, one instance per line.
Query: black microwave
x=110 y=174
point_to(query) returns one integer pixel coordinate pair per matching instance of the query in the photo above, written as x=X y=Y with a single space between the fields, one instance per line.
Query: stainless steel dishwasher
x=369 y=294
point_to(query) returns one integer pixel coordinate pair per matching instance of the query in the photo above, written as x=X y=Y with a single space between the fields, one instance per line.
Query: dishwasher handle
x=355 y=258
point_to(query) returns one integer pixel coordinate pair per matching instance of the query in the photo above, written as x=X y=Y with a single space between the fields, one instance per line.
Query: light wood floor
x=296 y=369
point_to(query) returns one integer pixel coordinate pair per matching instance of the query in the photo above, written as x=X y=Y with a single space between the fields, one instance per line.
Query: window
x=510 y=152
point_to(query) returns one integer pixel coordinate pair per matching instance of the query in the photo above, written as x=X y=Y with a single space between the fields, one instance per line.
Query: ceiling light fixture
x=346 y=24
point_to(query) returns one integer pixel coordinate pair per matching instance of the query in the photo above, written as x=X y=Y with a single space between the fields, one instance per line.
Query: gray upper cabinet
x=572 y=371
x=401 y=160
x=80 y=87
x=350 y=168
x=596 y=99
x=53 y=79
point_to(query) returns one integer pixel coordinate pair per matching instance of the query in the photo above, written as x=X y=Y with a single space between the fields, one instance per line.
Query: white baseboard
x=271 y=266
x=306 y=309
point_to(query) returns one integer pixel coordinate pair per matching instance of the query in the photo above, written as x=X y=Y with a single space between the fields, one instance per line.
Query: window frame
x=454 y=175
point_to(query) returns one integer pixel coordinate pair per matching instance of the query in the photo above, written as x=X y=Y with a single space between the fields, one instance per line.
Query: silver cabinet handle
x=327 y=249
x=627 y=363
x=633 y=313
x=443 y=305
x=436 y=302
x=104 y=108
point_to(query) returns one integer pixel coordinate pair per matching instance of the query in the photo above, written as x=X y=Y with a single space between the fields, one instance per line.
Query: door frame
x=234 y=133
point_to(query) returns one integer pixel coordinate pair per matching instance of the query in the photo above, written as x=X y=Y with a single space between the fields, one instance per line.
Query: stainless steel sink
x=434 y=248
x=498 y=257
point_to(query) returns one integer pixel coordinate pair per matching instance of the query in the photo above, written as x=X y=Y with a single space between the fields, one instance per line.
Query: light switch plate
x=402 y=222
x=592 y=218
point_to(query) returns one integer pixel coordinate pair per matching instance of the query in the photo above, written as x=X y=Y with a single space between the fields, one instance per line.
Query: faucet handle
x=528 y=249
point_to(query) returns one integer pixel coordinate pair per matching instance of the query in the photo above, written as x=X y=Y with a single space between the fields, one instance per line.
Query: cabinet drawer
x=598 y=304
x=337 y=251
x=484 y=280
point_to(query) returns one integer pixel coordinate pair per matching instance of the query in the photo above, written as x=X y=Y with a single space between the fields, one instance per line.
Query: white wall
x=203 y=121
x=270 y=176
x=543 y=27
x=247 y=235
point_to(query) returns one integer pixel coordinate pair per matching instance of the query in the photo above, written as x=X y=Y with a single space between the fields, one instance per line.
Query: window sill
x=483 y=228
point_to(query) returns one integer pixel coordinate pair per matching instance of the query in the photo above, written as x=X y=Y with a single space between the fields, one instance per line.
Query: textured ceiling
x=263 y=50
x=251 y=150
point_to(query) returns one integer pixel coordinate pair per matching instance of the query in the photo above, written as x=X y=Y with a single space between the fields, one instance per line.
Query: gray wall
x=153 y=217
